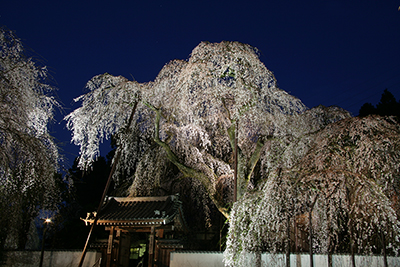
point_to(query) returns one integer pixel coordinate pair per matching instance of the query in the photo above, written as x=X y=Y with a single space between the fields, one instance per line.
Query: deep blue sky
x=326 y=52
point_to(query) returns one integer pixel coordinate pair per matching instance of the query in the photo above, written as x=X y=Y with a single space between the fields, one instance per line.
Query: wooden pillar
x=117 y=239
x=110 y=247
x=151 y=247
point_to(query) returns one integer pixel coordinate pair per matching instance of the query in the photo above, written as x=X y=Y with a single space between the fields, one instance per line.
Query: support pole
x=98 y=209
x=288 y=241
x=385 y=264
x=235 y=187
x=311 y=231
x=310 y=238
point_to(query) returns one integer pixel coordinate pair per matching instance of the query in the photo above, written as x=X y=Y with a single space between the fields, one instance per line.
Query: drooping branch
x=114 y=165
x=187 y=171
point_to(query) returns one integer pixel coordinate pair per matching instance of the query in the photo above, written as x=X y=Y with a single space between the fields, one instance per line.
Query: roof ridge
x=138 y=199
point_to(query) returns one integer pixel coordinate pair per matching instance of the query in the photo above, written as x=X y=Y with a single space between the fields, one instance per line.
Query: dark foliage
x=387 y=106
x=70 y=232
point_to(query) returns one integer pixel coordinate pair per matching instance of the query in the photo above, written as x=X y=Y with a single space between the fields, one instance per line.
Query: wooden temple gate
x=142 y=230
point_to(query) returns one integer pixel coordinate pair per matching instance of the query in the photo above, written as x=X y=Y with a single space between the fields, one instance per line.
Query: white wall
x=196 y=259
x=50 y=258
x=215 y=259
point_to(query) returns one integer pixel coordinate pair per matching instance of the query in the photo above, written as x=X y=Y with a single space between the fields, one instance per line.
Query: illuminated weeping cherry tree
x=28 y=154
x=193 y=110
x=354 y=164
x=223 y=91
x=345 y=188
x=261 y=220
x=341 y=174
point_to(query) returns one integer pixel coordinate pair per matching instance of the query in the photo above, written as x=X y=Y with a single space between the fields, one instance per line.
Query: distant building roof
x=138 y=211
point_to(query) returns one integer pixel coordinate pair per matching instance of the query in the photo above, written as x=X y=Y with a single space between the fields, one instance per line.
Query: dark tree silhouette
x=83 y=197
x=367 y=109
x=387 y=106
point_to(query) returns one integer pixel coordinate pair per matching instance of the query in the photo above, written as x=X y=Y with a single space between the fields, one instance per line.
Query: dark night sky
x=327 y=52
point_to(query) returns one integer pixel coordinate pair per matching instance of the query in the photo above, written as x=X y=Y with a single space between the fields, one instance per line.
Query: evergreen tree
x=86 y=189
x=387 y=106
x=367 y=109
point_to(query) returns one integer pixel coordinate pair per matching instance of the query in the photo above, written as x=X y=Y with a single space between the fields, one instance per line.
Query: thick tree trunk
x=187 y=171
x=329 y=252
x=243 y=175
x=244 y=171
x=329 y=245
x=353 y=261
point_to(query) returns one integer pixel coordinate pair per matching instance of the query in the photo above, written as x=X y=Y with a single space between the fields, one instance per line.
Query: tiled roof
x=137 y=211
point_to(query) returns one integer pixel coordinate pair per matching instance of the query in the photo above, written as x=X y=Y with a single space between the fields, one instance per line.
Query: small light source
x=47 y=220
